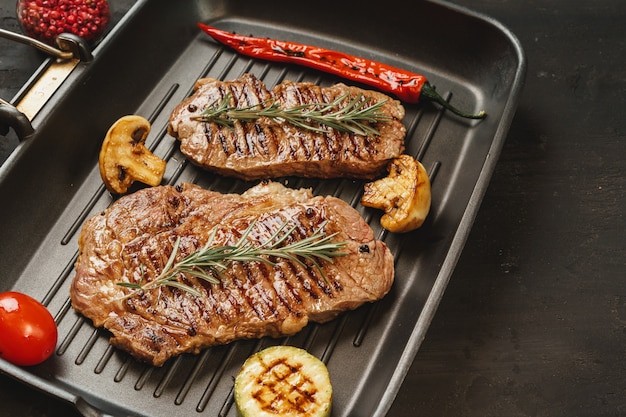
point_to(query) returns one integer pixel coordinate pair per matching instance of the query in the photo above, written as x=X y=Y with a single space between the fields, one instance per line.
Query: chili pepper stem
x=430 y=93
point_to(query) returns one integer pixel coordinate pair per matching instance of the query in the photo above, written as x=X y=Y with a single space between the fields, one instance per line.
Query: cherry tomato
x=28 y=333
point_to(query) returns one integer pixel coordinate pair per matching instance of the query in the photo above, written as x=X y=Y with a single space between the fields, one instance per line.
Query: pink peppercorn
x=45 y=19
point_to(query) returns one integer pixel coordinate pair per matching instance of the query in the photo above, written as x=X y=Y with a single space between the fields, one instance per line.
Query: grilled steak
x=132 y=240
x=266 y=148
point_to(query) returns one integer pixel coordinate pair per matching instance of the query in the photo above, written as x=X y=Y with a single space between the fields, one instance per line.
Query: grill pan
x=50 y=185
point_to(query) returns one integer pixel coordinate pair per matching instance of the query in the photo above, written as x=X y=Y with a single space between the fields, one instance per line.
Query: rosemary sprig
x=354 y=116
x=209 y=262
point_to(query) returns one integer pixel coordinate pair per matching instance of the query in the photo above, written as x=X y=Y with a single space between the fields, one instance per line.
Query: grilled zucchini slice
x=283 y=381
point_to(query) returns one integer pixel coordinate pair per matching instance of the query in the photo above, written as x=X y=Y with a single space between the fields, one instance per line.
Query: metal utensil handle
x=37 y=44
x=70 y=45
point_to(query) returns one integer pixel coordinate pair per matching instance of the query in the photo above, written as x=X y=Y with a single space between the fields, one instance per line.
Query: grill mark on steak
x=301 y=280
x=247 y=95
x=211 y=132
x=218 y=307
x=244 y=288
x=132 y=239
x=269 y=148
x=321 y=144
x=290 y=298
x=242 y=95
x=317 y=146
x=306 y=95
x=273 y=300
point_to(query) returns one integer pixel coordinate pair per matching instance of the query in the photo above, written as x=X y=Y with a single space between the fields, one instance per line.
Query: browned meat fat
x=132 y=240
x=266 y=148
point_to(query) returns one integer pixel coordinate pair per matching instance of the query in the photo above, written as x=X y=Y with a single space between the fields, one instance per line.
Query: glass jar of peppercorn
x=45 y=19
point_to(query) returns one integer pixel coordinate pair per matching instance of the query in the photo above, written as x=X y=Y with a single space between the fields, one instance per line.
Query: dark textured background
x=533 y=322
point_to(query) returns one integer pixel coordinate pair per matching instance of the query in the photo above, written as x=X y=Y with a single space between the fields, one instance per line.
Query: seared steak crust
x=132 y=240
x=266 y=148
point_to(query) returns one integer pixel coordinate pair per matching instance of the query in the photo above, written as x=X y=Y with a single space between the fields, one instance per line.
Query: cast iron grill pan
x=146 y=67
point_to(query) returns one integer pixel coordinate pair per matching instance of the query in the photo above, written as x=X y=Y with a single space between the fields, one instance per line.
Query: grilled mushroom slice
x=124 y=157
x=404 y=195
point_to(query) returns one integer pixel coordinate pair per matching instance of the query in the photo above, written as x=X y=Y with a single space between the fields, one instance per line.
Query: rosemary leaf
x=209 y=262
x=344 y=114
x=185 y=287
x=130 y=285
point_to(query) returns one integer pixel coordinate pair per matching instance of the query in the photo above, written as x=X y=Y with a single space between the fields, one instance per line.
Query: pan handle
x=10 y=116
x=71 y=49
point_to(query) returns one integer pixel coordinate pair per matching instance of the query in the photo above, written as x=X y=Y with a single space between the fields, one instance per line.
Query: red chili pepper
x=405 y=85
